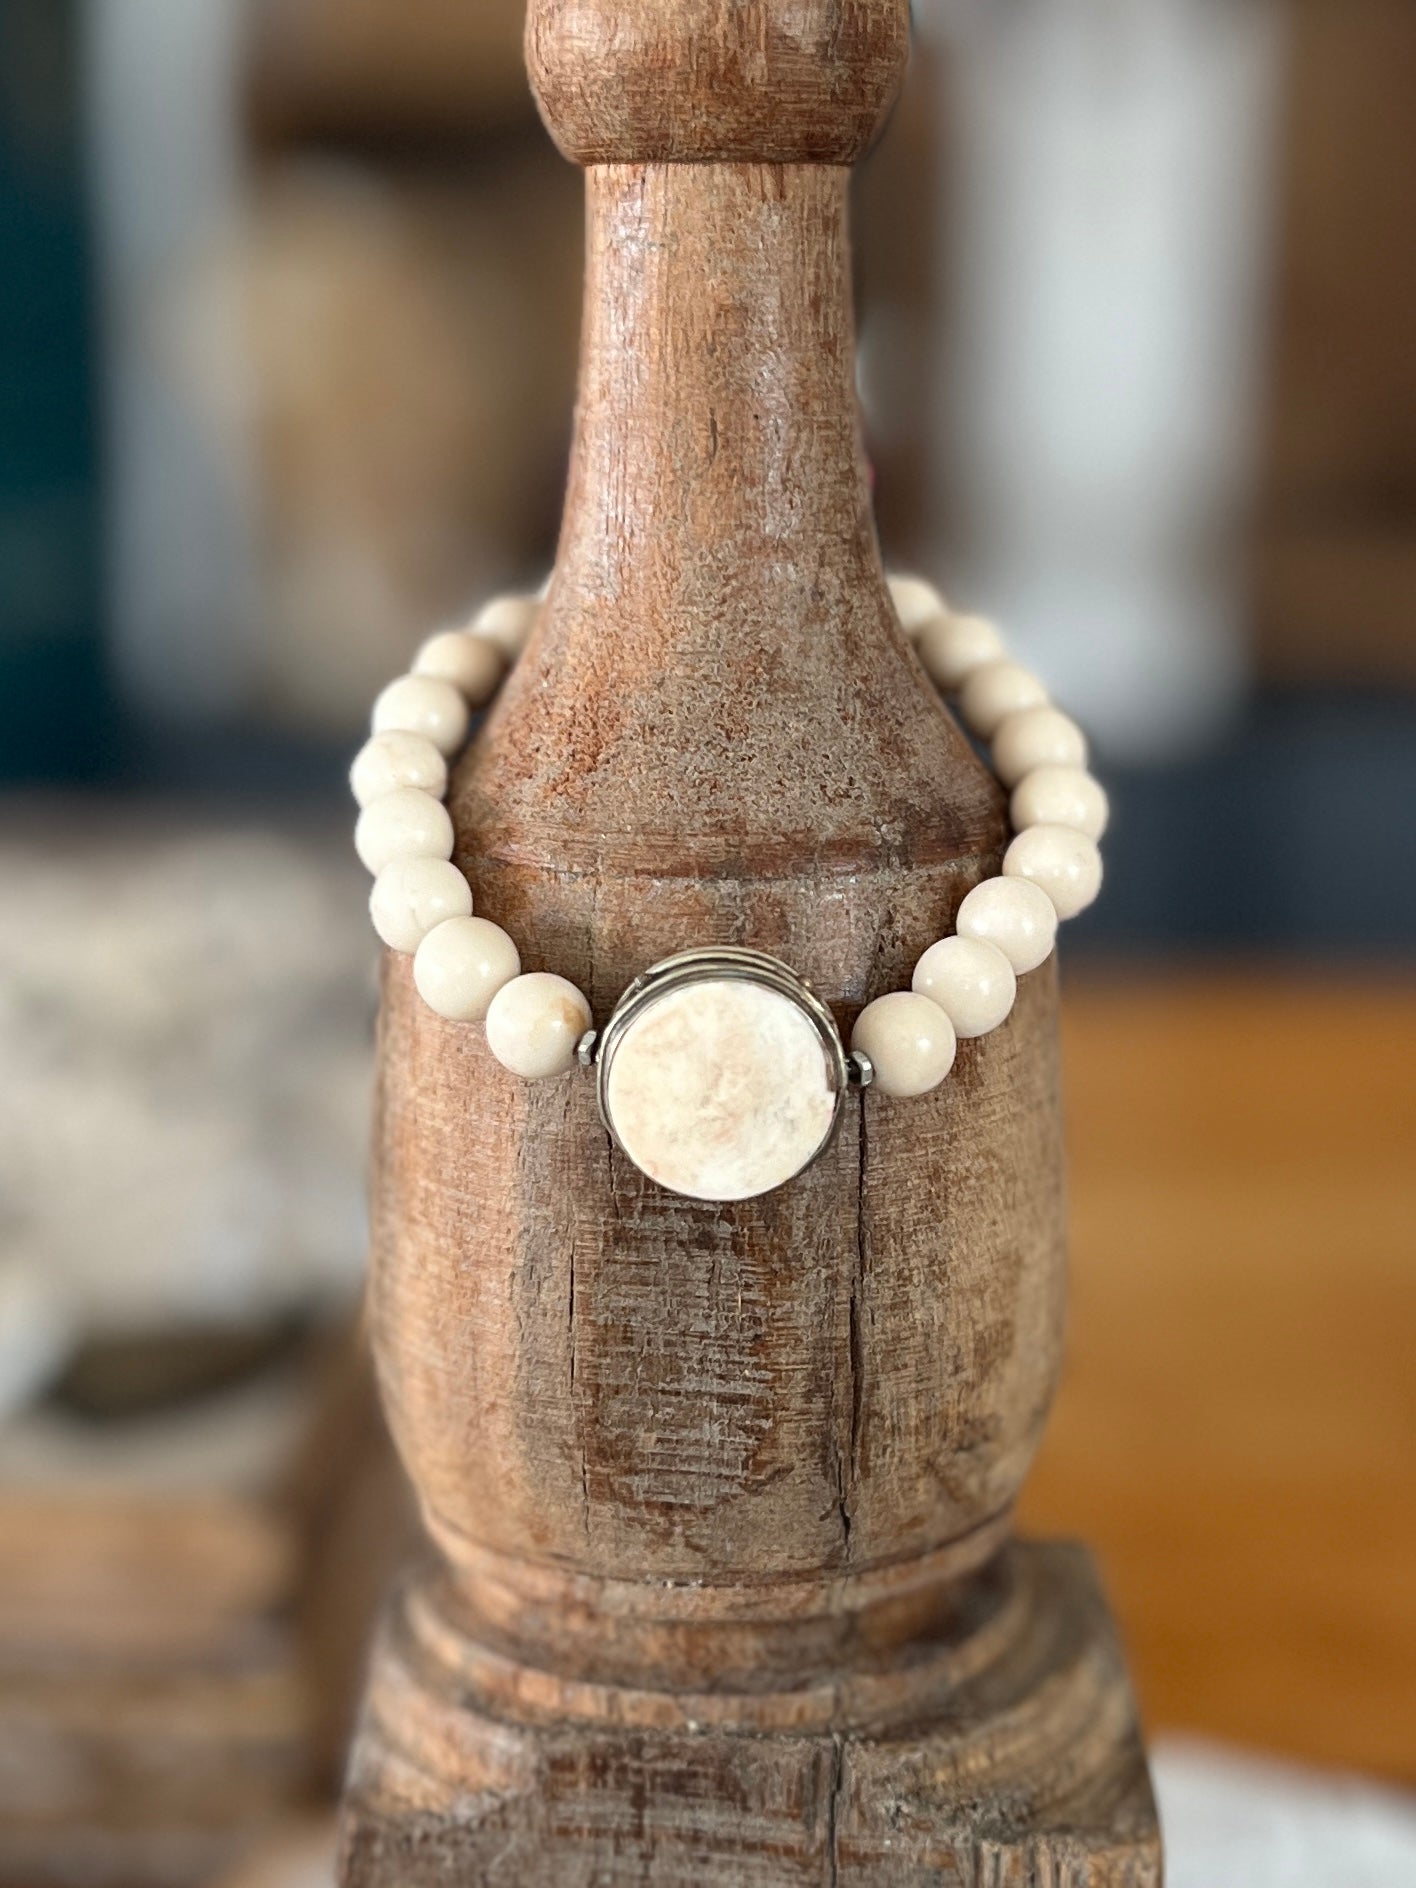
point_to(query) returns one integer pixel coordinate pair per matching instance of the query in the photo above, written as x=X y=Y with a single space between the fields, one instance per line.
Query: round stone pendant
x=721 y=1074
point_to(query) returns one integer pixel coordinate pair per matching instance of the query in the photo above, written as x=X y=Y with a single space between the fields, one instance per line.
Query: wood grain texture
x=718 y=737
x=720 y=1491
x=771 y=81
x=1023 y=1767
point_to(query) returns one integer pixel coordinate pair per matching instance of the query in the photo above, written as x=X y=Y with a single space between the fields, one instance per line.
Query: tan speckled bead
x=1033 y=738
x=917 y=602
x=404 y=824
x=952 y=647
x=972 y=982
x=535 y=1024
x=1013 y=914
x=507 y=623
x=1065 y=864
x=994 y=692
x=910 y=1042
x=413 y=896
x=461 y=965
x=397 y=759
x=1061 y=796
x=427 y=705
x=472 y=664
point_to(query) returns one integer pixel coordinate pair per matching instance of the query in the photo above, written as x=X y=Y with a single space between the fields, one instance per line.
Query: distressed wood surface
x=719 y=1493
x=765 y=81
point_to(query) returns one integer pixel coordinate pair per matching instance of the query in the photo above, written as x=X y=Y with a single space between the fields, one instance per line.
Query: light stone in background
x=185 y=1020
x=721 y=1090
x=37 y=1330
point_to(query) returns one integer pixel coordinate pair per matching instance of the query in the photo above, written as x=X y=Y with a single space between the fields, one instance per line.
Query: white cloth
x=1233 y=1820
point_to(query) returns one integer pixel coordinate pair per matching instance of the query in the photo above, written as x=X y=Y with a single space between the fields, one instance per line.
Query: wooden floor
x=1237 y=1432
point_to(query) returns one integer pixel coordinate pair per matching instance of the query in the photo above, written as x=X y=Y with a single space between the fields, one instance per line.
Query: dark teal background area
x=54 y=699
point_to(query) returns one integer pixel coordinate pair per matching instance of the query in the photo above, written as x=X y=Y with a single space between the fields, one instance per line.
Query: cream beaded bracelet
x=722 y=1074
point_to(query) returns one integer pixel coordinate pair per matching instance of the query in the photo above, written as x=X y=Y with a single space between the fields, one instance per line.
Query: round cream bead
x=910 y=1042
x=1033 y=738
x=917 y=602
x=461 y=965
x=1061 y=796
x=995 y=691
x=535 y=1024
x=1013 y=914
x=972 y=982
x=1065 y=864
x=413 y=896
x=507 y=623
x=404 y=824
x=397 y=759
x=427 y=705
x=952 y=647
x=473 y=664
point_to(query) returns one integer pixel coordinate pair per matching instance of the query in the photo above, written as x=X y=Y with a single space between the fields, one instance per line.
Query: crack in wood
x=834 y=1797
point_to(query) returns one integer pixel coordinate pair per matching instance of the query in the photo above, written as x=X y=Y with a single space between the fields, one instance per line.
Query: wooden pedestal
x=721 y=1495
x=1003 y=1755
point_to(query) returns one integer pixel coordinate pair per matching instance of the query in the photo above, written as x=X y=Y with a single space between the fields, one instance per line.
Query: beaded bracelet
x=721 y=1073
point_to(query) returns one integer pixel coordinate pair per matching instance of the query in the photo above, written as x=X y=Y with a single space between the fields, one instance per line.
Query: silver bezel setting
x=718 y=964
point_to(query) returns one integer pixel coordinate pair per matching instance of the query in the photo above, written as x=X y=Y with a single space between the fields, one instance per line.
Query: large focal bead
x=722 y=1075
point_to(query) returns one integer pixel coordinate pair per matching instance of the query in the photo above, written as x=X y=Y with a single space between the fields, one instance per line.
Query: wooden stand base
x=1007 y=1756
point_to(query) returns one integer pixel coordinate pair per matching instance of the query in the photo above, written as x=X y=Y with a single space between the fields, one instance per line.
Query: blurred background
x=289 y=296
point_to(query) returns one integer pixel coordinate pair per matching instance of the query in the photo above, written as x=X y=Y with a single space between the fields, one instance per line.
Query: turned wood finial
x=715 y=736
x=696 y=81
x=721 y=1494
